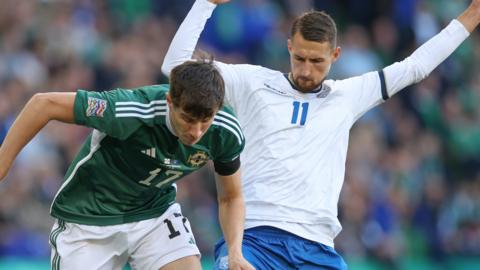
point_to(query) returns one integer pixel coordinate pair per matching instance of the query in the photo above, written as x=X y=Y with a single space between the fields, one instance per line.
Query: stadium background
x=411 y=197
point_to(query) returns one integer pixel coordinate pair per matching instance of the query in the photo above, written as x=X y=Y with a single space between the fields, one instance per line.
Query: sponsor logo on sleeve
x=96 y=107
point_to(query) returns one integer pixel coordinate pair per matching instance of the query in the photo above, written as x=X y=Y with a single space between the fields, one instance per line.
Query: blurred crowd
x=412 y=185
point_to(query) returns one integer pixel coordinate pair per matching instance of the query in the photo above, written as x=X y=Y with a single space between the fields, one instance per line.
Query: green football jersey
x=126 y=168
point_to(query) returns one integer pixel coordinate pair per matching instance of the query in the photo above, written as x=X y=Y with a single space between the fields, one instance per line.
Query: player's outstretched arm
x=470 y=18
x=40 y=109
x=185 y=40
x=432 y=53
x=232 y=217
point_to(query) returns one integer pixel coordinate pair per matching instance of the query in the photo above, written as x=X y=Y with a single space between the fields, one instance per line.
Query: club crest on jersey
x=324 y=92
x=197 y=159
x=96 y=107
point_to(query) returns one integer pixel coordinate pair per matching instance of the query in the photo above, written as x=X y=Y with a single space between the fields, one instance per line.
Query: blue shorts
x=271 y=248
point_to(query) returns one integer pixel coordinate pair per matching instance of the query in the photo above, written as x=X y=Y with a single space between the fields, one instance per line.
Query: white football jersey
x=293 y=164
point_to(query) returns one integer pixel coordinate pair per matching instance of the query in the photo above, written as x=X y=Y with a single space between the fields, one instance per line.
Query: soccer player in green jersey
x=117 y=203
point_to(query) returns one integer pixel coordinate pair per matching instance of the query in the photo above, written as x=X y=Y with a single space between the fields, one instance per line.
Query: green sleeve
x=232 y=140
x=97 y=110
x=230 y=149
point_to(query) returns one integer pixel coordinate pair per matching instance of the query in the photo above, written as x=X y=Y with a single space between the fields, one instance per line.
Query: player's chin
x=307 y=87
x=189 y=141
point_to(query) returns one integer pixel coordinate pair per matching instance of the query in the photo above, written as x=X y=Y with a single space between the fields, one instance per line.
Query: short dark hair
x=197 y=87
x=316 y=26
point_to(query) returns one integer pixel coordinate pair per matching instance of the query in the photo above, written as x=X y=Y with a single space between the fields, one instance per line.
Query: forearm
x=470 y=17
x=426 y=58
x=34 y=116
x=232 y=216
x=183 y=44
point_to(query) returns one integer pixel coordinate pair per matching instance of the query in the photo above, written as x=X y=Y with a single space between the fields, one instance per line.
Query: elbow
x=223 y=200
x=168 y=64
x=44 y=103
x=419 y=70
x=53 y=106
x=41 y=100
x=166 y=69
x=40 y=105
x=230 y=199
x=419 y=74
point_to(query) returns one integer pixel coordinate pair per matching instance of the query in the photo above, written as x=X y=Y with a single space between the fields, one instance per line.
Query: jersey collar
x=320 y=91
x=289 y=78
x=168 y=122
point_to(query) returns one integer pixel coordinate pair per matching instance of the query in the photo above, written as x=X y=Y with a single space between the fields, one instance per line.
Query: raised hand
x=218 y=2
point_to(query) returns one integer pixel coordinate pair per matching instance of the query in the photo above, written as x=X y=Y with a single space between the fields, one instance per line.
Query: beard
x=306 y=85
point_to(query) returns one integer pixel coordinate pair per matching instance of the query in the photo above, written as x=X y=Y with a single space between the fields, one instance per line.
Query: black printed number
x=173 y=232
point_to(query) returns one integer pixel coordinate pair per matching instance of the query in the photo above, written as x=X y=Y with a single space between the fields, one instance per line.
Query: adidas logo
x=150 y=152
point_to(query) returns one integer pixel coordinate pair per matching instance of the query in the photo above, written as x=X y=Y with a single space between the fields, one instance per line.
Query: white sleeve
x=183 y=44
x=366 y=91
x=361 y=92
x=239 y=79
x=425 y=59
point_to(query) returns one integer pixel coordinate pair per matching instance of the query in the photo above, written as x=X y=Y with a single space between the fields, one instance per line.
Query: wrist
x=209 y=2
x=235 y=252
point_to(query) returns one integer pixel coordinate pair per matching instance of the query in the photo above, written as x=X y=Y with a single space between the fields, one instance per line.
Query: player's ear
x=289 y=45
x=169 y=101
x=336 y=54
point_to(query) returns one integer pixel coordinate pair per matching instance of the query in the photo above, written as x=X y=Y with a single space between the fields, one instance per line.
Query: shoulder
x=143 y=102
x=354 y=82
x=247 y=69
x=153 y=92
x=228 y=125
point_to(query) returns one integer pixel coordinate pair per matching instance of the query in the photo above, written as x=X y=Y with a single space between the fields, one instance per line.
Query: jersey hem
x=322 y=233
x=107 y=220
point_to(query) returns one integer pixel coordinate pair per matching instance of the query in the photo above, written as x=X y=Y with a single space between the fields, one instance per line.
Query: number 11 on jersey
x=296 y=109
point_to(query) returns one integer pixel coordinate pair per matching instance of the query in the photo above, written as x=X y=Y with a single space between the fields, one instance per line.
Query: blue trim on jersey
x=383 y=85
x=268 y=248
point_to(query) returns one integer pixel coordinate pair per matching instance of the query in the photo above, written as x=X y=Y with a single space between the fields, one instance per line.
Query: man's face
x=188 y=129
x=310 y=61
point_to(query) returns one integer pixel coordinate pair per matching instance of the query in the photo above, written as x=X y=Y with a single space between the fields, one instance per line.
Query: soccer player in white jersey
x=297 y=127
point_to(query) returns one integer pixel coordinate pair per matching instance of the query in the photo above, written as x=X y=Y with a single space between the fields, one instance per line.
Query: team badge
x=197 y=159
x=324 y=92
x=96 y=107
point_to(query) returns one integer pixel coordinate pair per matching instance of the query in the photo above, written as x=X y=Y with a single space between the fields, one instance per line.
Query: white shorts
x=146 y=245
